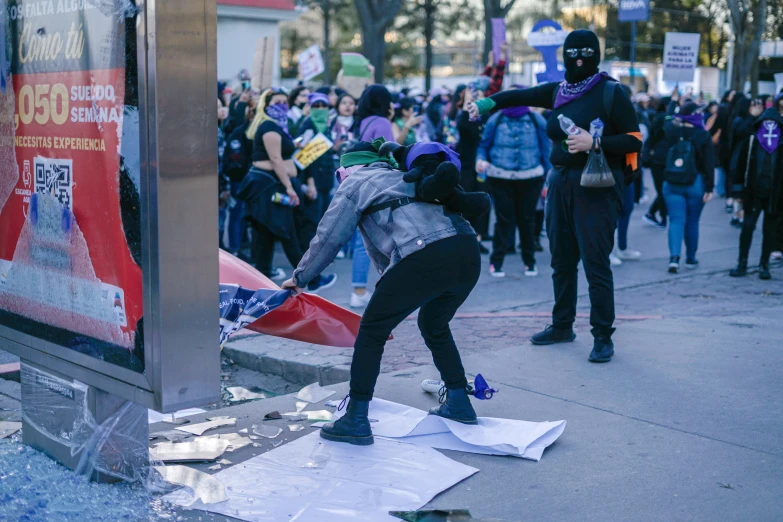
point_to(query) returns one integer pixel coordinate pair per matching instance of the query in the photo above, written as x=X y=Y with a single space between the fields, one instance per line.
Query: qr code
x=55 y=177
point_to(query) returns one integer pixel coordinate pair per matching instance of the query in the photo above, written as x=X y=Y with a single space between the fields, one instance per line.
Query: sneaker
x=278 y=274
x=736 y=222
x=496 y=272
x=651 y=220
x=360 y=301
x=323 y=282
x=340 y=255
x=629 y=255
x=674 y=264
x=614 y=260
x=552 y=335
x=729 y=208
x=603 y=350
x=776 y=255
x=531 y=271
x=764 y=272
x=691 y=264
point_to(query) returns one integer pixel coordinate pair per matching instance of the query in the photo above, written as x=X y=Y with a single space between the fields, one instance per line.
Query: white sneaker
x=496 y=272
x=278 y=274
x=340 y=255
x=614 y=260
x=531 y=271
x=360 y=301
x=629 y=255
x=777 y=255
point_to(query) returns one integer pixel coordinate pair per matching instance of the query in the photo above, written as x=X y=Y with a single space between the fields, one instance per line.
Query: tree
x=746 y=18
x=375 y=17
x=493 y=9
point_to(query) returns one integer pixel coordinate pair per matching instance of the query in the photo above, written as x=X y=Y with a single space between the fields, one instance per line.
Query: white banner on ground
x=313 y=480
x=311 y=63
x=680 y=56
x=491 y=436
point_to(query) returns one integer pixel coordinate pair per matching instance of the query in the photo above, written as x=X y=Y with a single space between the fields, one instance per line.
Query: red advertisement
x=69 y=178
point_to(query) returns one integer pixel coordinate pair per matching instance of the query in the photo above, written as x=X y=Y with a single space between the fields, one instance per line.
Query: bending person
x=429 y=260
x=580 y=221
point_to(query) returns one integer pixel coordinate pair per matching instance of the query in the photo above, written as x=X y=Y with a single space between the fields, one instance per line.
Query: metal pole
x=633 y=52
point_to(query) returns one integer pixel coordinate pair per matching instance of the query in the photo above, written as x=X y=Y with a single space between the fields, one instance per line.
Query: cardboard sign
x=263 y=63
x=498 y=36
x=680 y=56
x=634 y=11
x=311 y=63
x=355 y=74
x=315 y=148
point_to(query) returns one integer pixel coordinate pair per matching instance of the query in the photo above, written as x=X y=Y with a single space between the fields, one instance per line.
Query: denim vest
x=515 y=143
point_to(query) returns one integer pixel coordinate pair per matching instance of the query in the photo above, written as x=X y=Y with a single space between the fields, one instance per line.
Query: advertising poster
x=70 y=254
x=633 y=11
x=680 y=56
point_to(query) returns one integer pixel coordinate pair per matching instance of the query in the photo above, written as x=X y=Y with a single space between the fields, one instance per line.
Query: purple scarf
x=696 y=119
x=516 y=112
x=431 y=147
x=569 y=92
x=768 y=136
x=279 y=114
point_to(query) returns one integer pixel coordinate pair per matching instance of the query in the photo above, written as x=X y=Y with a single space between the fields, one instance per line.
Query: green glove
x=485 y=105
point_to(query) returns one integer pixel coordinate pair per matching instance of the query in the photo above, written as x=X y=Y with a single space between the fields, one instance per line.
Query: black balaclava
x=580 y=39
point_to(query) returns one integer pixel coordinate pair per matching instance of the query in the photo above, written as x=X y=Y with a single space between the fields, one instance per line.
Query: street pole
x=327 y=12
x=633 y=53
x=429 y=30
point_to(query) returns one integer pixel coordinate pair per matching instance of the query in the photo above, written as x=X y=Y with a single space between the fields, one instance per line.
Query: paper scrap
x=333 y=403
x=224 y=461
x=295 y=427
x=205 y=488
x=198 y=429
x=153 y=416
x=215 y=467
x=314 y=393
x=197 y=450
x=238 y=393
x=8 y=428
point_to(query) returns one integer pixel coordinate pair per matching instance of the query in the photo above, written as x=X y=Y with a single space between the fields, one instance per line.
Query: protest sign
x=498 y=36
x=263 y=63
x=311 y=63
x=315 y=148
x=680 y=56
x=355 y=75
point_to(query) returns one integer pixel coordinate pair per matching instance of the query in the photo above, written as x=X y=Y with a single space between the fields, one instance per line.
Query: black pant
x=515 y=203
x=752 y=213
x=436 y=279
x=264 y=248
x=659 y=205
x=580 y=223
x=469 y=183
x=539 y=223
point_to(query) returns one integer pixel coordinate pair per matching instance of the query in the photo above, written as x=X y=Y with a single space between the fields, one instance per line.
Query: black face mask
x=578 y=40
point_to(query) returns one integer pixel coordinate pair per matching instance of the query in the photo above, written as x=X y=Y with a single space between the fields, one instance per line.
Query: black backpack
x=681 y=162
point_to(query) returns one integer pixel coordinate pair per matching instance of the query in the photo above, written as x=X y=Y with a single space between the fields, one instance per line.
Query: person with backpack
x=514 y=156
x=688 y=181
x=235 y=165
x=581 y=221
x=759 y=186
x=655 y=156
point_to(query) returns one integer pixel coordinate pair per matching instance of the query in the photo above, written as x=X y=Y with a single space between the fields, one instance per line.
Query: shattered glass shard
x=314 y=393
x=266 y=431
x=198 y=429
x=205 y=487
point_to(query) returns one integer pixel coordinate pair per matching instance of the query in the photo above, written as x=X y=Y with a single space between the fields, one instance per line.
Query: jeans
x=437 y=279
x=625 y=218
x=236 y=220
x=752 y=212
x=515 y=204
x=360 y=262
x=659 y=205
x=685 y=204
x=580 y=224
x=720 y=182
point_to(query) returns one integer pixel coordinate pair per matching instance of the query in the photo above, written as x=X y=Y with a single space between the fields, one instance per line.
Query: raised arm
x=539 y=96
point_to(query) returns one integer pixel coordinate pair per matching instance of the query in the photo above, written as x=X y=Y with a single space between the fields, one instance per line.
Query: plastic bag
x=597 y=173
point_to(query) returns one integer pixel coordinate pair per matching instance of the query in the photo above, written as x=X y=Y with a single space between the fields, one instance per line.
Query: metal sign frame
x=176 y=45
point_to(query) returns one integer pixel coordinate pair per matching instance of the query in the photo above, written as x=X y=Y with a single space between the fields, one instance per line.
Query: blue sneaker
x=321 y=283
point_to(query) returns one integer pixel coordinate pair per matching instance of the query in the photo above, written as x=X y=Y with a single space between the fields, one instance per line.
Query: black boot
x=353 y=427
x=603 y=350
x=455 y=406
x=552 y=335
x=764 y=271
x=741 y=270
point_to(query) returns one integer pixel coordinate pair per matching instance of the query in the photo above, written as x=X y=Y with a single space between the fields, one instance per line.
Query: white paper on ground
x=312 y=480
x=313 y=393
x=153 y=416
x=492 y=436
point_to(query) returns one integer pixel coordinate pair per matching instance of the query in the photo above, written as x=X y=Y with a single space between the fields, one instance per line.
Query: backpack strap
x=747 y=163
x=609 y=89
x=394 y=204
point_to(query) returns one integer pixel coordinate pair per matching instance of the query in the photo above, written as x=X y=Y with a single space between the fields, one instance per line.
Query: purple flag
x=498 y=36
x=769 y=135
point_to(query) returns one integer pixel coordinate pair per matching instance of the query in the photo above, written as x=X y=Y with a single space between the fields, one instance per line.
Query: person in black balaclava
x=580 y=221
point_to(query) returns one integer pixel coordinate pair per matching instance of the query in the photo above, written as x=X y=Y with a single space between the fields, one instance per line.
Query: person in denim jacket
x=514 y=155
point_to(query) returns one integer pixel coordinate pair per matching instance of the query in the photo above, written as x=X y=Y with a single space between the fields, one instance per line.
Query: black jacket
x=759 y=175
x=237 y=155
x=655 y=148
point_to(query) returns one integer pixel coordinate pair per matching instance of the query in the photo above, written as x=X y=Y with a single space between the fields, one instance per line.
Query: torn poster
x=492 y=436
x=240 y=307
x=312 y=480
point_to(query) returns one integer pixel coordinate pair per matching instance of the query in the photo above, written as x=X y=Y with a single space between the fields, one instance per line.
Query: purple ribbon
x=768 y=136
x=432 y=147
x=568 y=92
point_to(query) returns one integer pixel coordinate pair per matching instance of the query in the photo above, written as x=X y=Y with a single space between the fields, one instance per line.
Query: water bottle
x=481 y=177
x=568 y=126
x=282 y=199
